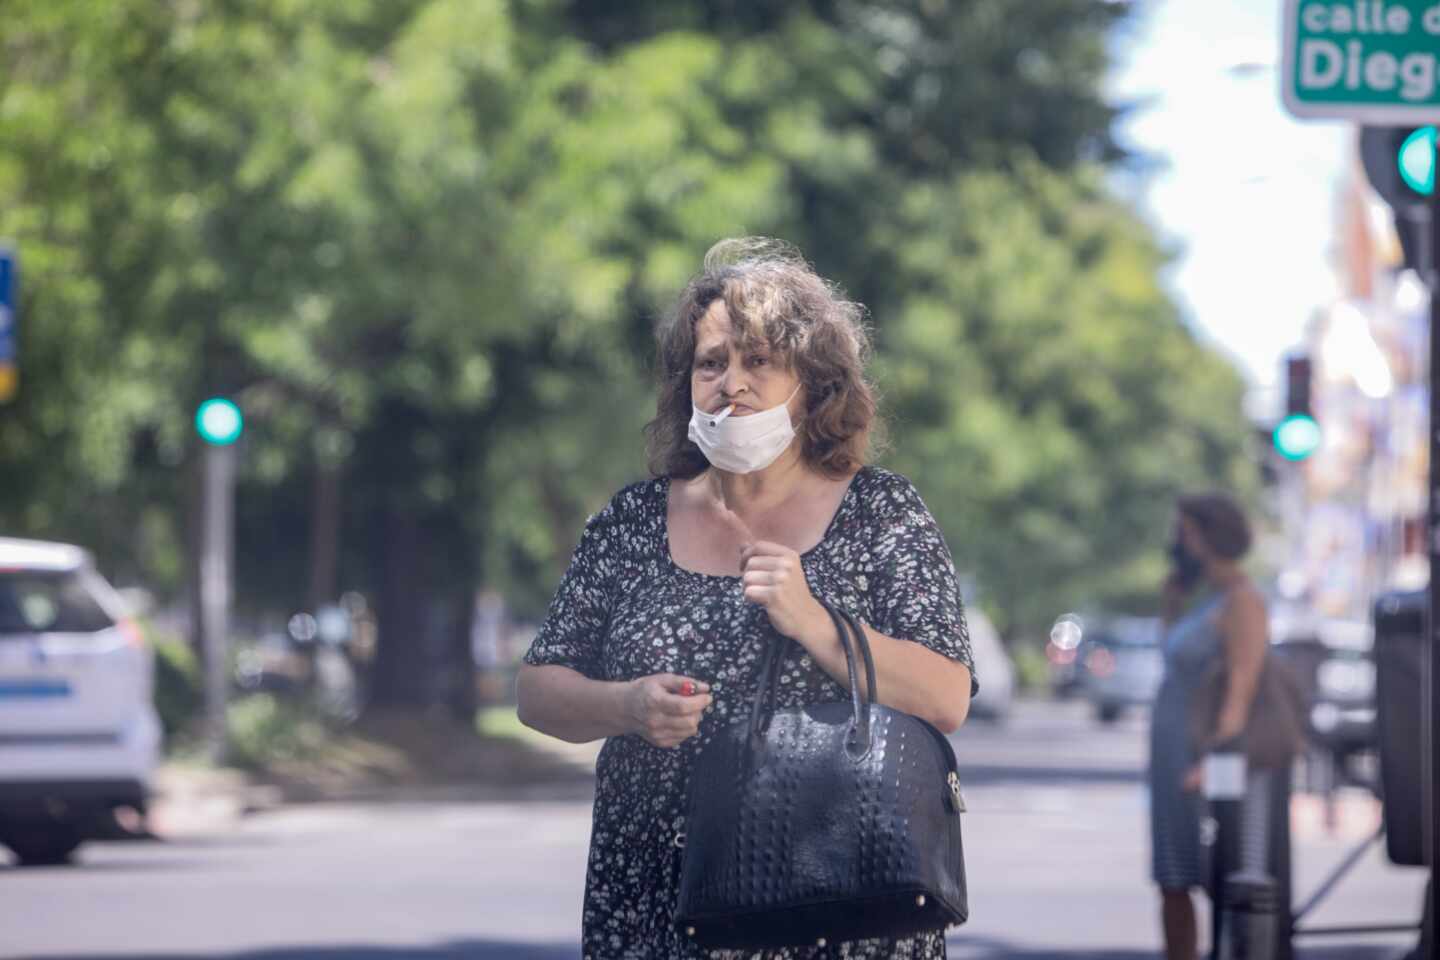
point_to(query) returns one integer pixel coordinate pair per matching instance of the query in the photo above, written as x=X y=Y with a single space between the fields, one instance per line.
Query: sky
x=1242 y=191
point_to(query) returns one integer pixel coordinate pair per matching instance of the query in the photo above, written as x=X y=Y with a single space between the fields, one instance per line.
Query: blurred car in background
x=993 y=668
x=1333 y=661
x=1120 y=664
x=79 y=735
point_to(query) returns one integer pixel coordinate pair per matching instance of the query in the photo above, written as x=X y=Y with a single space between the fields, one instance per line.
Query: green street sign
x=1373 y=61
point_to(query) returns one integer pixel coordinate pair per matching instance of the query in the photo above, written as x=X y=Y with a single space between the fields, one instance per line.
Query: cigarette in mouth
x=715 y=420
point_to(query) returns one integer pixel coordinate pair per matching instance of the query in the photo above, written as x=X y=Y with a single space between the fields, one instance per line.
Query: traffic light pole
x=217 y=535
x=1430 y=732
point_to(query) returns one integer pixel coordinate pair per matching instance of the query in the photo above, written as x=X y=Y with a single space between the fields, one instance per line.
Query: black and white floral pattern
x=625 y=609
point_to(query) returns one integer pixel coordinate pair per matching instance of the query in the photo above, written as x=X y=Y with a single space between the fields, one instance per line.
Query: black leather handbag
x=823 y=823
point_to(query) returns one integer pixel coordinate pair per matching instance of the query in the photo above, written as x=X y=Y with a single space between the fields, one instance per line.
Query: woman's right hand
x=661 y=711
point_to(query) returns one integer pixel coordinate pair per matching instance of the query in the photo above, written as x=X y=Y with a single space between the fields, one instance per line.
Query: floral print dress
x=625 y=609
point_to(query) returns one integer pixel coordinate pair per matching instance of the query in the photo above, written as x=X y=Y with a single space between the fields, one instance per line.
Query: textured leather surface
x=791 y=838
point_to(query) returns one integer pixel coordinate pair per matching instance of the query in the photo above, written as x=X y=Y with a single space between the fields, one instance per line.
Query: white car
x=993 y=668
x=79 y=735
x=1122 y=664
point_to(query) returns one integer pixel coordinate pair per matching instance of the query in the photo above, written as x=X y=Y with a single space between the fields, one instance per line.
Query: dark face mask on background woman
x=1188 y=568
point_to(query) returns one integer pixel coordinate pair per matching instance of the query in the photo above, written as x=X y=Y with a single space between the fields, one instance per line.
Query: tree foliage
x=424 y=243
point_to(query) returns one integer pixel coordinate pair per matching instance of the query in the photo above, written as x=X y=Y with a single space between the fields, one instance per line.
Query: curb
x=195 y=801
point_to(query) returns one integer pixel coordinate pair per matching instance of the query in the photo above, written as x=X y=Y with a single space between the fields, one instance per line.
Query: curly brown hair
x=775 y=298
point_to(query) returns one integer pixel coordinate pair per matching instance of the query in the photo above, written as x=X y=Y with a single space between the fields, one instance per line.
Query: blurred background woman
x=1212 y=611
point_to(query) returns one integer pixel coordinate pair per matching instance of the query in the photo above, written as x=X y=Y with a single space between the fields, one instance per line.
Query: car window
x=35 y=601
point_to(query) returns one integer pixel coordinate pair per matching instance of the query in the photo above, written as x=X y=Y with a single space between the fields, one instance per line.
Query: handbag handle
x=863 y=642
x=857 y=741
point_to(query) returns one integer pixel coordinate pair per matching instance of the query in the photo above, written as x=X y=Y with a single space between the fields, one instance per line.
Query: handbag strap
x=766 y=692
x=858 y=740
x=954 y=798
x=863 y=642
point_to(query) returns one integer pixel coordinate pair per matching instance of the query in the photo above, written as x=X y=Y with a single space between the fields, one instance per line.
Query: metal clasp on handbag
x=953 y=779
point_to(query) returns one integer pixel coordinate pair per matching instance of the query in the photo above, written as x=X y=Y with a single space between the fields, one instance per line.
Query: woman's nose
x=733 y=382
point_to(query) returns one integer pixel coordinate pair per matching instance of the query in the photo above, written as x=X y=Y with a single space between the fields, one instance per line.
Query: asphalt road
x=1056 y=851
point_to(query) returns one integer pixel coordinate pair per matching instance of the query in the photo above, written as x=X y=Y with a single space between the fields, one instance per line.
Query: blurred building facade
x=1362 y=494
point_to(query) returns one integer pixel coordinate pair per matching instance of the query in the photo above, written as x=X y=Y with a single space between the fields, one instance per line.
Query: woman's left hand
x=773 y=578
x=1194 y=779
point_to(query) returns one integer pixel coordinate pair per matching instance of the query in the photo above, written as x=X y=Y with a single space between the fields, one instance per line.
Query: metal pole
x=217 y=527
x=1430 y=742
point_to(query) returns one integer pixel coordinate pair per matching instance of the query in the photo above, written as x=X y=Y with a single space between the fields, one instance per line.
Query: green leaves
x=1072 y=402
x=426 y=241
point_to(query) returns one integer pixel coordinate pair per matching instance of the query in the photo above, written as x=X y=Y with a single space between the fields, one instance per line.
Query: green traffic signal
x=1297 y=437
x=1417 y=161
x=219 y=421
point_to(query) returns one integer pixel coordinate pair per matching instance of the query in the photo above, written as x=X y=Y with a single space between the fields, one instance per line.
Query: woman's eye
x=759 y=361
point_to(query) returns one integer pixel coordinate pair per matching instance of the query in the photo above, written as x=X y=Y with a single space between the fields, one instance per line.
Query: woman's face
x=724 y=373
x=1189 y=534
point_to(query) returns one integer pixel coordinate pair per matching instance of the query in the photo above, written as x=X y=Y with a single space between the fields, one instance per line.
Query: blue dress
x=1190 y=645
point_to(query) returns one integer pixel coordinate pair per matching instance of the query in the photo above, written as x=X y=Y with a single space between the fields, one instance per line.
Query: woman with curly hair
x=761 y=502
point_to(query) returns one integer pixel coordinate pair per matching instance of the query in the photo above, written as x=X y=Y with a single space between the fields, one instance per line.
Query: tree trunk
x=401 y=662
x=324 y=534
x=463 y=700
x=426 y=567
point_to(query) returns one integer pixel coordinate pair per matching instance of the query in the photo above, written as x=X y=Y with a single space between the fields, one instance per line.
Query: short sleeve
x=574 y=629
x=914 y=594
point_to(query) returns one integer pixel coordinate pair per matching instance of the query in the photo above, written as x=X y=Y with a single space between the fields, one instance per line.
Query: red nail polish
x=688 y=688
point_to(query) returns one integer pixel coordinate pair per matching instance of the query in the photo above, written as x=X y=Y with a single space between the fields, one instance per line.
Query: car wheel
x=45 y=845
x=1107 y=712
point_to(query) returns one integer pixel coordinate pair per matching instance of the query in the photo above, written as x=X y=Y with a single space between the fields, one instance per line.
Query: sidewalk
x=190 y=799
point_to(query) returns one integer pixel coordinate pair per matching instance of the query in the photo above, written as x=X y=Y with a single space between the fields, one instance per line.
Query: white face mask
x=743 y=444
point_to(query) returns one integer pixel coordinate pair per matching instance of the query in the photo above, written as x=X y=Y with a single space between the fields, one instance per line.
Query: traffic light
x=1297 y=386
x=1297 y=435
x=1417 y=161
x=1400 y=164
x=219 y=421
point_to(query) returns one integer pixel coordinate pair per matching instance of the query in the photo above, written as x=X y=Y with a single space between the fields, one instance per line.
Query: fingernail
x=687 y=688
